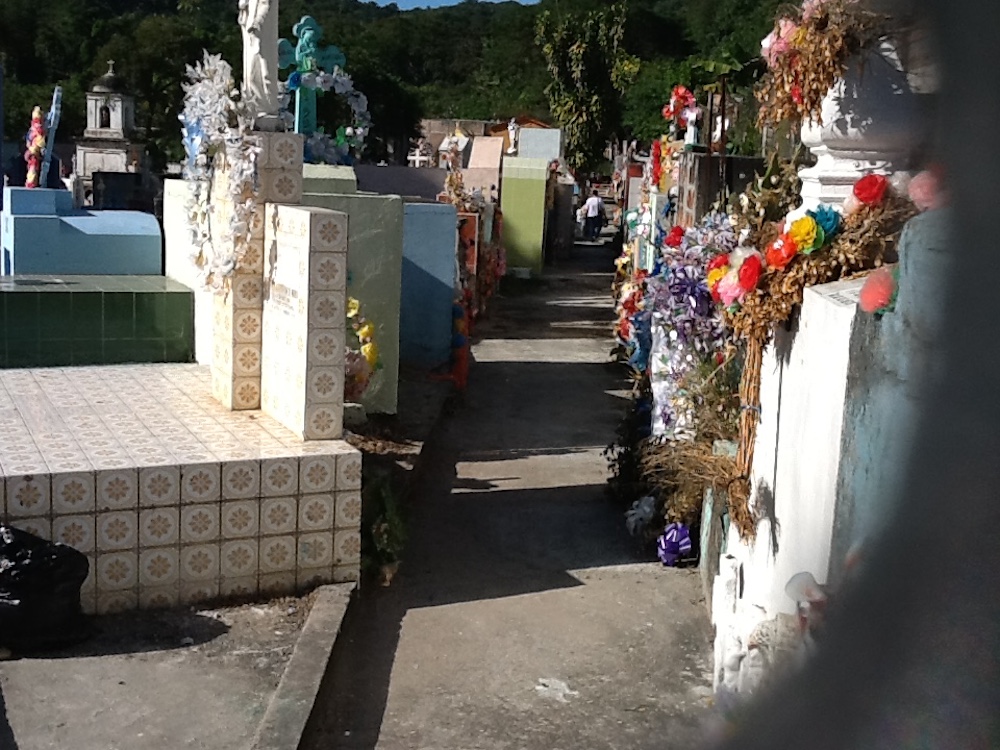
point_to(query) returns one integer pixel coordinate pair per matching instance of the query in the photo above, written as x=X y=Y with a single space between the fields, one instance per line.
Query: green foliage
x=474 y=60
x=383 y=525
x=590 y=72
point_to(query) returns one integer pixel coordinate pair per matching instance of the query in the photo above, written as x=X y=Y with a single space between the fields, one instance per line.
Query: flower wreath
x=216 y=132
x=347 y=141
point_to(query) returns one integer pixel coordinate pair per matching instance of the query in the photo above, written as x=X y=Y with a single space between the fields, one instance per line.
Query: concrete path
x=523 y=615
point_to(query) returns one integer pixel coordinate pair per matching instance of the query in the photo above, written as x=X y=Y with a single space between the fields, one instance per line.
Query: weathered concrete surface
x=290 y=706
x=151 y=680
x=523 y=616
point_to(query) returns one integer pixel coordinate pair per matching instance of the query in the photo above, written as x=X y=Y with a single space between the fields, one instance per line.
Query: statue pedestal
x=868 y=126
x=238 y=316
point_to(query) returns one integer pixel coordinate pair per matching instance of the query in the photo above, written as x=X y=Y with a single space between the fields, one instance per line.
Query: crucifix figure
x=309 y=58
x=259 y=24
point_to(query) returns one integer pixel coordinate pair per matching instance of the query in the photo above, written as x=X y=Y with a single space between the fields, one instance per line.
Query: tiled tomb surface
x=173 y=498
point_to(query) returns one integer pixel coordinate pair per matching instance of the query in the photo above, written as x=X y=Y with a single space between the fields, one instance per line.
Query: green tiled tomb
x=50 y=321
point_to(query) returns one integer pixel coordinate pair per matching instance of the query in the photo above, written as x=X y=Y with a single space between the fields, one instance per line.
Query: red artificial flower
x=750 y=273
x=675 y=238
x=797 y=94
x=719 y=261
x=877 y=292
x=631 y=304
x=870 y=189
x=780 y=252
x=668 y=112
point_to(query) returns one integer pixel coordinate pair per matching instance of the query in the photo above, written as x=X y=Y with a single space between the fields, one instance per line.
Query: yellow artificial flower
x=353 y=307
x=366 y=332
x=803 y=231
x=370 y=352
x=716 y=275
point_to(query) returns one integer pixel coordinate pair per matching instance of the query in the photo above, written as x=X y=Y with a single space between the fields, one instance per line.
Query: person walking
x=595 y=210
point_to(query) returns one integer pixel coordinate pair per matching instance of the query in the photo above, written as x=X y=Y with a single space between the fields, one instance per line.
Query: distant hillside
x=473 y=60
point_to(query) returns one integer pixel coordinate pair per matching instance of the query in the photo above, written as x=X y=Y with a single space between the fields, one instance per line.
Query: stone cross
x=259 y=23
x=309 y=58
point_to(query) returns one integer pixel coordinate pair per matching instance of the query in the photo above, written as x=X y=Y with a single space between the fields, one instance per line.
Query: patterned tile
x=329 y=232
x=200 y=523
x=117 y=571
x=326 y=309
x=307 y=579
x=349 y=471
x=348 y=514
x=73 y=493
x=159 y=527
x=199 y=592
x=347 y=547
x=246 y=360
x=238 y=559
x=325 y=385
x=240 y=479
x=75 y=531
x=346 y=573
x=28 y=495
x=247 y=291
x=279 y=476
x=40 y=527
x=284 y=150
x=159 y=566
x=316 y=512
x=315 y=550
x=159 y=485
x=277 y=553
x=317 y=474
x=118 y=530
x=246 y=393
x=238 y=588
x=240 y=518
x=158 y=597
x=329 y=273
x=201 y=483
x=276 y=584
x=324 y=422
x=247 y=326
x=117 y=489
x=200 y=562
x=113 y=602
x=278 y=516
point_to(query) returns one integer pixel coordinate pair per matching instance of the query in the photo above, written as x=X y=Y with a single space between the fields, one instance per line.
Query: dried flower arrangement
x=808 y=51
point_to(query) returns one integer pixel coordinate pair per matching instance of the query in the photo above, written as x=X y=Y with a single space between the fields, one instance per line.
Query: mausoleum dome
x=109 y=83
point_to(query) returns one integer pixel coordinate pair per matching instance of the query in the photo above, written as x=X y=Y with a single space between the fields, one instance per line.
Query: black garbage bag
x=39 y=592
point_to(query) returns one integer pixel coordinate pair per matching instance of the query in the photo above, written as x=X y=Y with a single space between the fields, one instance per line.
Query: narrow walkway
x=524 y=616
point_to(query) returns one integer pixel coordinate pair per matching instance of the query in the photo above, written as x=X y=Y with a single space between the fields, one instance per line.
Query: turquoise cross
x=308 y=57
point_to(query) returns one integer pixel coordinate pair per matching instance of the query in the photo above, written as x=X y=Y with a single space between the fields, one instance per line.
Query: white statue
x=690 y=116
x=513 y=129
x=259 y=23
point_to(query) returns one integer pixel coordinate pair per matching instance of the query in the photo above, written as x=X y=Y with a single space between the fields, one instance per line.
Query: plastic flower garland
x=362 y=363
x=808 y=51
x=216 y=131
x=341 y=147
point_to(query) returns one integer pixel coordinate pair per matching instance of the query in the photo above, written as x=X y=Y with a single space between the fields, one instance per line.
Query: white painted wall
x=797 y=456
x=180 y=267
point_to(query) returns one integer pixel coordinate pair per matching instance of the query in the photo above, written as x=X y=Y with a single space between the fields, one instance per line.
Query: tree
x=590 y=72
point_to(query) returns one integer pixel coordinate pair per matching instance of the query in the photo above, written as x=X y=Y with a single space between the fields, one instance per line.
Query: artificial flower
x=719 y=261
x=353 y=307
x=750 y=272
x=852 y=205
x=804 y=232
x=780 y=252
x=871 y=189
x=828 y=220
x=729 y=288
x=294 y=81
x=366 y=332
x=879 y=291
x=675 y=238
x=811 y=8
x=925 y=190
x=370 y=353
x=714 y=277
x=797 y=94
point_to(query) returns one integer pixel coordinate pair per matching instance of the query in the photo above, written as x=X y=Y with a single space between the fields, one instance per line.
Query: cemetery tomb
x=173 y=498
x=523 y=206
x=89 y=320
x=42 y=233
